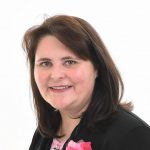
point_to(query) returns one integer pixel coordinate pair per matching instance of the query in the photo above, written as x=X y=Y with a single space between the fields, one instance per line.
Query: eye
x=45 y=64
x=70 y=62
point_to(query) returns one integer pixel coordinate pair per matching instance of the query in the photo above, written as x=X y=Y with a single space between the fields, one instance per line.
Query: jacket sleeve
x=137 y=139
x=39 y=142
x=35 y=140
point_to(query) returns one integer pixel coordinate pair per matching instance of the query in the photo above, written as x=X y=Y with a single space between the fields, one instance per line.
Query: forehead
x=50 y=45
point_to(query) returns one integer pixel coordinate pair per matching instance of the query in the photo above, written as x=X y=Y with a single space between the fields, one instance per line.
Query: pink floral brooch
x=81 y=145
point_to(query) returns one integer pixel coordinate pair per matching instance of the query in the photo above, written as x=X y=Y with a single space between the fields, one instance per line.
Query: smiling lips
x=61 y=88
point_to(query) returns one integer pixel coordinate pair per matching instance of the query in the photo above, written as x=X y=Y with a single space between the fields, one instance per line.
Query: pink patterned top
x=57 y=145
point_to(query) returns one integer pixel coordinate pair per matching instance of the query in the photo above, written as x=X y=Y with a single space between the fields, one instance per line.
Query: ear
x=96 y=74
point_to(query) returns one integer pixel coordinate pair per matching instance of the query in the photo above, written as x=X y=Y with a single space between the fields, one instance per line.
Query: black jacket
x=127 y=132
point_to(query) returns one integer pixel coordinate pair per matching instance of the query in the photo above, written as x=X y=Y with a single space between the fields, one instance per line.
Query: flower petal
x=81 y=145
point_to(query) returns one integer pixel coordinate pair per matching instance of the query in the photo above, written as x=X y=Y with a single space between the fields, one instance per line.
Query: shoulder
x=127 y=121
x=137 y=138
x=39 y=142
x=129 y=131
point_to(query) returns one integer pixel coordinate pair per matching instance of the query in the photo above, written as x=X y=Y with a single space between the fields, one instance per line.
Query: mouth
x=61 y=88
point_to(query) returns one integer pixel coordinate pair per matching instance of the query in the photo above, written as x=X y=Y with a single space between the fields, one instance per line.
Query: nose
x=57 y=72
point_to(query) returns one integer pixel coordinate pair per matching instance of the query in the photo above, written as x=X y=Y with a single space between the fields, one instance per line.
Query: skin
x=64 y=80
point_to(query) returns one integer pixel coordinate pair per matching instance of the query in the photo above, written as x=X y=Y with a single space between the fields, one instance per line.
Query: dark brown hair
x=81 y=38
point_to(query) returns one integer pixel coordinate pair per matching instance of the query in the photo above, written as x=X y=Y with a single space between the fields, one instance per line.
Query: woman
x=77 y=90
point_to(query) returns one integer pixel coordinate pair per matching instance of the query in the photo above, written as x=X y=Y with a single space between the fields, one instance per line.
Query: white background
x=125 y=29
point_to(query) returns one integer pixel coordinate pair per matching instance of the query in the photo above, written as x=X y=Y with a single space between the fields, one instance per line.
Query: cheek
x=39 y=78
x=78 y=76
x=83 y=78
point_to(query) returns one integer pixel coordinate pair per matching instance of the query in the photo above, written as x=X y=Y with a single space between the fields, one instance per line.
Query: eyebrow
x=68 y=57
x=63 y=58
x=43 y=59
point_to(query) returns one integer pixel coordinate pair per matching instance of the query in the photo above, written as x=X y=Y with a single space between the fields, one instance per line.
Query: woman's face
x=65 y=81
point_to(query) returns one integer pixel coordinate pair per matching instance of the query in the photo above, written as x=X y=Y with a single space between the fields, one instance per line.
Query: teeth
x=59 y=87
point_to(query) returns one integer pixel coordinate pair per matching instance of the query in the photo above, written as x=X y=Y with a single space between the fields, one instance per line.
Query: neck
x=67 y=126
